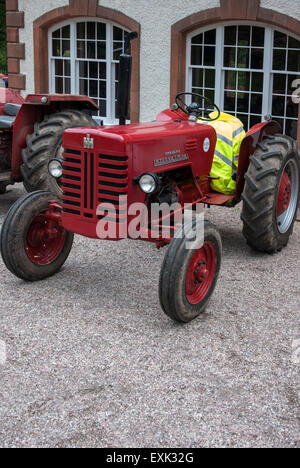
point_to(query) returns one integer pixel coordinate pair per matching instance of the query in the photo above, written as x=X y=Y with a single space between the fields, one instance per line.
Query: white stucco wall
x=156 y=18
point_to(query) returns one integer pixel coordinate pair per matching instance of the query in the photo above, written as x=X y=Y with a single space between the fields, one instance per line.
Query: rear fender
x=33 y=110
x=248 y=147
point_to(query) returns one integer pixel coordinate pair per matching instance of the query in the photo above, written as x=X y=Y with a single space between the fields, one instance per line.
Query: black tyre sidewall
x=173 y=277
x=13 y=238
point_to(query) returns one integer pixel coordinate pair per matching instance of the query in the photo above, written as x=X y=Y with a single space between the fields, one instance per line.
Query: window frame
x=219 y=62
x=110 y=118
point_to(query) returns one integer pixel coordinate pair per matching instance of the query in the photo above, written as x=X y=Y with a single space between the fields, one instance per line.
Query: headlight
x=55 y=168
x=149 y=183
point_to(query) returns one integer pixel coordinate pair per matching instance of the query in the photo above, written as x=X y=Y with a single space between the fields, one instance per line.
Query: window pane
x=280 y=39
x=91 y=50
x=81 y=49
x=67 y=68
x=230 y=35
x=101 y=31
x=279 y=83
x=59 y=67
x=230 y=80
x=65 y=32
x=258 y=37
x=118 y=34
x=279 y=59
x=91 y=30
x=197 y=52
x=257 y=59
x=67 y=86
x=292 y=85
x=59 y=85
x=93 y=85
x=257 y=82
x=278 y=105
x=210 y=78
x=66 y=48
x=197 y=39
x=244 y=35
x=209 y=56
x=56 y=48
x=229 y=101
x=256 y=104
x=93 y=70
x=243 y=102
x=103 y=90
x=56 y=34
x=243 y=58
x=294 y=43
x=229 y=57
x=80 y=30
x=101 y=50
x=197 y=78
x=83 y=87
x=244 y=81
x=294 y=60
x=210 y=37
x=83 y=73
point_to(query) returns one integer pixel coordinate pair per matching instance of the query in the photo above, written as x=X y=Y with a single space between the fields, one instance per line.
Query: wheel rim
x=287 y=196
x=201 y=273
x=44 y=241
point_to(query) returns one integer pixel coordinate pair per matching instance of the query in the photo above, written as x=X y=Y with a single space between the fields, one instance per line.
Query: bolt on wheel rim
x=201 y=273
x=44 y=240
x=287 y=196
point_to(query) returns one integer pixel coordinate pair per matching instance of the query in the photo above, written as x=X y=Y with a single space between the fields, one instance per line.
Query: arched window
x=84 y=57
x=248 y=70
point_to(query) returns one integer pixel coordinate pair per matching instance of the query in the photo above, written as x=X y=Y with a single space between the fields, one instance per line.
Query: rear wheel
x=46 y=144
x=33 y=246
x=189 y=275
x=271 y=194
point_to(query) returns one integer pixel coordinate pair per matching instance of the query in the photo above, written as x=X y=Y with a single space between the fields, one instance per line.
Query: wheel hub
x=44 y=241
x=284 y=194
x=201 y=273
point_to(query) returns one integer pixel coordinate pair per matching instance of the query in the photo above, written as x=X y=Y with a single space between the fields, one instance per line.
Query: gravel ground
x=93 y=361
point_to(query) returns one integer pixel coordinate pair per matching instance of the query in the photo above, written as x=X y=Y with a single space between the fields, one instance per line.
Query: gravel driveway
x=91 y=360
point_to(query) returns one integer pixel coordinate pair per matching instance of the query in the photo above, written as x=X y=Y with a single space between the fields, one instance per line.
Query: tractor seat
x=12 y=109
x=6 y=122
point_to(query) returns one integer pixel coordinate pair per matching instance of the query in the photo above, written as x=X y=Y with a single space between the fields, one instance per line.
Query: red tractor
x=31 y=134
x=166 y=162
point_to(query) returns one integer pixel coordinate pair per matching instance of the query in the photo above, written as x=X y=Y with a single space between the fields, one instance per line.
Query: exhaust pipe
x=123 y=103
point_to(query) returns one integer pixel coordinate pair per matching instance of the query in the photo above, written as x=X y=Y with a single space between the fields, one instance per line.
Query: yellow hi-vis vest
x=230 y=134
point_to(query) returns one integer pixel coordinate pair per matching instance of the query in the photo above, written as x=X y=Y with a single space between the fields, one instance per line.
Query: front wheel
x=189 y=274
x=33 y=245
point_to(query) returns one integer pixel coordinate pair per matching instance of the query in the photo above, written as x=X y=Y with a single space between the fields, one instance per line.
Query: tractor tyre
x=32 y=246
x=271 y=194
x=46 y=144
x=189 y=273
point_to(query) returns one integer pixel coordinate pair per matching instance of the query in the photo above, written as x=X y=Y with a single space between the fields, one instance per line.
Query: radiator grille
x=89 y=180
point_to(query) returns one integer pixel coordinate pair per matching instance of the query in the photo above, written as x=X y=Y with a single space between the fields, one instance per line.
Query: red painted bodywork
x=142 y=145
x=122 y=154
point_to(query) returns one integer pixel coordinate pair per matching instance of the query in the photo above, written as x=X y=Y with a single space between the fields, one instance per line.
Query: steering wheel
x=195 y=108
